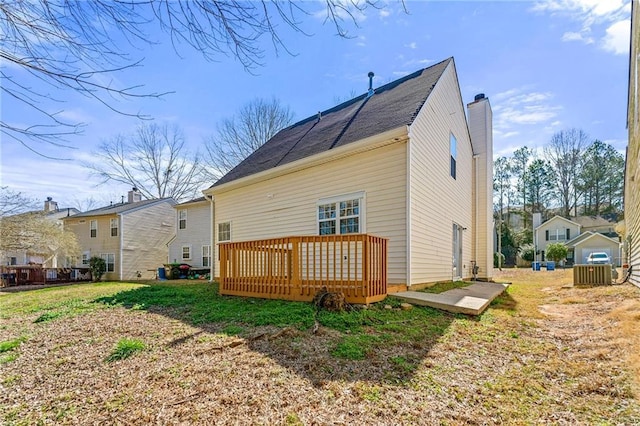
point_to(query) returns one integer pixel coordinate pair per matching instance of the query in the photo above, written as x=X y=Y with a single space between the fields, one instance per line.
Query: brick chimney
x=481 y=131
x=134 y=195
x=50 y=205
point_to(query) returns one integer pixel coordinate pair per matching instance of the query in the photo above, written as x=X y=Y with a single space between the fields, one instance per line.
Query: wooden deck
x=296 y=268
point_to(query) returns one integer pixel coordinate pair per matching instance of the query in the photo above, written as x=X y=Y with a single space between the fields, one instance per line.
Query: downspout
x=408 y=225
x=212 y=268
x=121 y=261
x=477 y=209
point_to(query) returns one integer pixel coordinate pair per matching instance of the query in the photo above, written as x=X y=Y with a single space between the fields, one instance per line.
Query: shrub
x=556 y=252
x=495 y=259
x=98 y=267
x=527 y=253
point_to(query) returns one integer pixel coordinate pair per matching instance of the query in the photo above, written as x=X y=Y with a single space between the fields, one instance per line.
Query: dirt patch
x=539 y=354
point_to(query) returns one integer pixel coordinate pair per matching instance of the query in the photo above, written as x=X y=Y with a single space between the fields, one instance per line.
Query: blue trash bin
x=551 y=266
x=535 y=266
x=162 y=274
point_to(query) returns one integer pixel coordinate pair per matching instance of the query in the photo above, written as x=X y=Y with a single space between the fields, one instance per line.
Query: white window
x=206 y=256
x=93 y=228
x=186 y=252
x=110 y=260
x=560 y=234
x=341 y=215
x=85 y=258
x=182 y=219
x=114 y=227
x=453 y=150
x=224 y=231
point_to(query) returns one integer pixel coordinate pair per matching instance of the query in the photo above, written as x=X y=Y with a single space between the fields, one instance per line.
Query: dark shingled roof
x=195 y=200
x=393 y=105
x=121 y=207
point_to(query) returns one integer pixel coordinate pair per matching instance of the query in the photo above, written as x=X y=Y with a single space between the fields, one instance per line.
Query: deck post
x=295 y=272
x=223 y=264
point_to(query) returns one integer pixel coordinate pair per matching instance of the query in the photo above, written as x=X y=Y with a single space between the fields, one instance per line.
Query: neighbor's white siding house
x=192 y=242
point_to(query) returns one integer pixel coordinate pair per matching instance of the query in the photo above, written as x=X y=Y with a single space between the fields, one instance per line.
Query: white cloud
x=574 y=36
x=515 y=108
x=384 y=13
x=617 y=38
x=412 y=45
x=601 y=21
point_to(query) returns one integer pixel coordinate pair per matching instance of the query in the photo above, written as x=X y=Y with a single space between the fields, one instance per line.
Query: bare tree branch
x=12 y=202
x=77 y=45
x=565 y=151
x=154 y=160
x=237 y=137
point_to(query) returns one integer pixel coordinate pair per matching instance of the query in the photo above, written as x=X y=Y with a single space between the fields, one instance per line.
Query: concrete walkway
x=470 y=300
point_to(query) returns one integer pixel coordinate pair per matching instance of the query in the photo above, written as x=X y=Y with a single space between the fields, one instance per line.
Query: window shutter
x=546 y=235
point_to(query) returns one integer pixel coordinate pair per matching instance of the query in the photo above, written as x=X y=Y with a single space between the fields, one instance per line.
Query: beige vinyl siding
x=145 y=233
x=103 y=243
x=438 y=200
x=632 y=171
x=197 y=233
x=553 y=224
x=287 y=205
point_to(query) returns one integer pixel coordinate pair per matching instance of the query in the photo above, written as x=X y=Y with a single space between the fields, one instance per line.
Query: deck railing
x=296 y=268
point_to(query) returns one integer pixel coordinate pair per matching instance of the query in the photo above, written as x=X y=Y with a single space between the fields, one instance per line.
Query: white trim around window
x=182 y=219
x=224 y=232
x=110 y=260
x=186 y=252
x=206 y=256
x=93 y=228
x=113 y=223
x=341 y=214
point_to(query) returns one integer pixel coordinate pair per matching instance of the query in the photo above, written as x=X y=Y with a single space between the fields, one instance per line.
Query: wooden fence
x=296 y=268
x=25 y=275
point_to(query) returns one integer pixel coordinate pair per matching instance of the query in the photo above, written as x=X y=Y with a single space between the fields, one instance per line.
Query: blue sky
x=545 y=66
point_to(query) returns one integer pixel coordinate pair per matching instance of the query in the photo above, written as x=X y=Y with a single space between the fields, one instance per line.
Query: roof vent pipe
x=371 y=91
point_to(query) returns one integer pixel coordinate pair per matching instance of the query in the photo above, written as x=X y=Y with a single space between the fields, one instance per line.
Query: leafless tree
x=12 y=202
x=565 y=152
x=79 y=46
x=153 y=159
x=255 y=123
x=34 y=233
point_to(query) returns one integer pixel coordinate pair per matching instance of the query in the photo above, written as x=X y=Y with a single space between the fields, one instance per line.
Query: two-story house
x=131 y=237
x=192 y=242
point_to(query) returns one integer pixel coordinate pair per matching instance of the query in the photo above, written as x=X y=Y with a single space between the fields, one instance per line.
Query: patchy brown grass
x=542 y=353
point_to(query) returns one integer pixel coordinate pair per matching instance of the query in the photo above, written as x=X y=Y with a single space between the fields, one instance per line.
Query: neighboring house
x=131 y=237
x=581 y=241
x=400 y=162
x=592 y=242
x=555 y=230
x=192 y=242
x=632 y=167
x=52 y=212
x=597 y=224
